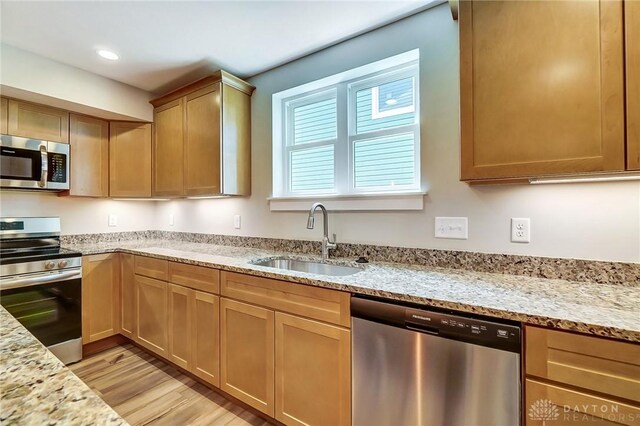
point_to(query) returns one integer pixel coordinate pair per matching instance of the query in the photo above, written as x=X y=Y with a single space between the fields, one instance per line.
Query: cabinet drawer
x=150 y=267
x=196 y=277
x=311 y=302
x=592 y=363
x=569 y=407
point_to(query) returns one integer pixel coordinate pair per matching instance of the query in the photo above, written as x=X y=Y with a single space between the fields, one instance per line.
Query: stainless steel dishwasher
x=417 y=367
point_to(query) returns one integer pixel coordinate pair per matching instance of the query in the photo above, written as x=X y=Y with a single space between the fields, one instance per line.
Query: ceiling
x=165 y=44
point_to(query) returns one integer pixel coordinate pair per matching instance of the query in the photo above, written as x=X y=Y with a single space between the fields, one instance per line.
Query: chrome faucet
x=326 y=243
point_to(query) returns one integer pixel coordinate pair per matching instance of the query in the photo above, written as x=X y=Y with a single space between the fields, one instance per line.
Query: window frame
x=344 y=87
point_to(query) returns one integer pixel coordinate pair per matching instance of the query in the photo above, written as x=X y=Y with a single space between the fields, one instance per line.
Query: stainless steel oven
x=33 y=164
x=41 y=284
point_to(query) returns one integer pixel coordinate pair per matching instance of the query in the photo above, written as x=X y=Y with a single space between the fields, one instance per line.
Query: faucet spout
x=326 y=242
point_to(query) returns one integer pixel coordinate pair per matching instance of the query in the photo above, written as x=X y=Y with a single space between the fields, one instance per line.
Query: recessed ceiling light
x=107 y=54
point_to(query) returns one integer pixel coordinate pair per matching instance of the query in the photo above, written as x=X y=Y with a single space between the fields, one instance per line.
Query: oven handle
x=45 y=166
x=38 y=280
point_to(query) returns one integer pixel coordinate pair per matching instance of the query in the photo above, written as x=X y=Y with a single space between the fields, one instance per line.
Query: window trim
x=389 y=68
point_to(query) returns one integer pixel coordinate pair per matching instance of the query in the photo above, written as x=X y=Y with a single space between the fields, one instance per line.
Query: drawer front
x=153 y=268
x=311 y=302
x=592 y=363
x=560 y=406
x=196 y=277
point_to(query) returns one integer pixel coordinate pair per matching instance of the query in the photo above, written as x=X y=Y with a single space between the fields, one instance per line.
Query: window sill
x=368 y=202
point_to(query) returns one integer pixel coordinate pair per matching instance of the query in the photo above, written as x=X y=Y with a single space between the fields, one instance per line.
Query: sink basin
x=308 y=266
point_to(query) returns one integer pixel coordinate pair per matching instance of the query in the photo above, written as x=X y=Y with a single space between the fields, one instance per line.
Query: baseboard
x=104 y=344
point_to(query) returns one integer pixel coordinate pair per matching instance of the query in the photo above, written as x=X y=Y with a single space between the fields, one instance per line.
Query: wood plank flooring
x=147 y=391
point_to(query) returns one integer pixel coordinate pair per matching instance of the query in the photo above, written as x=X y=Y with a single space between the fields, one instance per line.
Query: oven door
x=24 y=162
x=49 y=306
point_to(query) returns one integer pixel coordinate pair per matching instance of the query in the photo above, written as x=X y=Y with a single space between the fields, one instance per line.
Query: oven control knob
x=62 y=264
x=49 y=264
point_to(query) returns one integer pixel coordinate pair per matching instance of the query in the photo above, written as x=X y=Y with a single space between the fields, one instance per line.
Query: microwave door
x=23 y=163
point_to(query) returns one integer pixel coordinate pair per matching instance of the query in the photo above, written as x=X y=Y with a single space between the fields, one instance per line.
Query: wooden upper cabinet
x=632 y=44
x=89 y=140
x=100 y=297
x=216 y=135
x=4 y=114
x=202 y=142
x=129 y=159
x=38 y=121
x=542 y=90
x=168 y=149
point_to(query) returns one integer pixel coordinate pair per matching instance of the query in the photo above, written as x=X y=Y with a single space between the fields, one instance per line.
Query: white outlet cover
x=237 y=221
x=520 y=230
x=456 y=228
x=113 y=220
x=171 y=220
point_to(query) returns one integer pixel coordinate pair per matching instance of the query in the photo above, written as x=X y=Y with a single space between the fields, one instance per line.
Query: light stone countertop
x=593 y=308
x=37 y=389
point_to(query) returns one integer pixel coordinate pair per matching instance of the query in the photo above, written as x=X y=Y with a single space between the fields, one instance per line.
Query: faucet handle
x=331 y=243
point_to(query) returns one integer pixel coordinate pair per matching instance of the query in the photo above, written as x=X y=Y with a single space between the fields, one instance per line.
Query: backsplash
x=533 y=266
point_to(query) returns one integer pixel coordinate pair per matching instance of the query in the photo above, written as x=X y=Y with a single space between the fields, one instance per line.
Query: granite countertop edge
x=243 y=264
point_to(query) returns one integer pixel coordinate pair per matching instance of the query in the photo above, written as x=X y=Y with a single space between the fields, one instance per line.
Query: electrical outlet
x=456 y=228
x=237 y=221
x=113 y=220
x=171 y=220
x=520 y=230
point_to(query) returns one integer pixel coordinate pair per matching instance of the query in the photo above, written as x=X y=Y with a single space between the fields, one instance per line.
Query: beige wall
x=591 y=221
x=80 y=215
x=31 y=77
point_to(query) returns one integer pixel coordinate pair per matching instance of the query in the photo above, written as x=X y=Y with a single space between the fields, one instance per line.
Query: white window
x=355 y=133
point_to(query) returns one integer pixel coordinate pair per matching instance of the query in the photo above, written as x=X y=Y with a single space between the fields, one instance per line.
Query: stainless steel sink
x=308 y=266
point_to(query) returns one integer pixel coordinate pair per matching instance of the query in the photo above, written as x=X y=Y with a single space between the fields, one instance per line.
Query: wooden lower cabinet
x=128 y=296
x=246 y=354
x=180 y=324
x=151 y=314
x=205 y=336
x=312 y=372
x=100 y=297
x=562 y=406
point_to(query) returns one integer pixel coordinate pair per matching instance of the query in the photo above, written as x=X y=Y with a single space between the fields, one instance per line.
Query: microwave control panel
x=57 y=167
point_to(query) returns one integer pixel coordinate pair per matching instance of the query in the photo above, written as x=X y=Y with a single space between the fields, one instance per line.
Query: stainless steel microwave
x=33 y=164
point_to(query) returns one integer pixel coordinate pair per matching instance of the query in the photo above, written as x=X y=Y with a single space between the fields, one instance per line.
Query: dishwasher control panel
x=459 y=326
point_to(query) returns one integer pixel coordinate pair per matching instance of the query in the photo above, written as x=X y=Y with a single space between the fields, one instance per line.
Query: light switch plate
x=237 y=221
x=456 y=228
x=113 y=220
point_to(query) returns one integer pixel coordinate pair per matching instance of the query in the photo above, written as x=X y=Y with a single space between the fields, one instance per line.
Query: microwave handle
x=45 y=166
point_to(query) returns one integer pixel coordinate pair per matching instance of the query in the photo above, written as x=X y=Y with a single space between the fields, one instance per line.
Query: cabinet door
x=89 y=140
x=202 y=142
x=246 y=353
x=313 y=372
x=129 y=159
x=180 y=309
x=570 y=407
x=4 y=106
x=168 y=146
x=632 y=44
x=236 y=141
x=100 y=297
x=38 y=122
x=205 y=337
x=544 y=96
x=151 y=314
x=128 y=296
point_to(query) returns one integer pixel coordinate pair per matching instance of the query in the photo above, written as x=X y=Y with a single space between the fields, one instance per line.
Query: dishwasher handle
x=421 y=328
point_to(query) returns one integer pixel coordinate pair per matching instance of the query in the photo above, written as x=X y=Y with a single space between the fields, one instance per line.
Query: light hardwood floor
x=147 y=391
